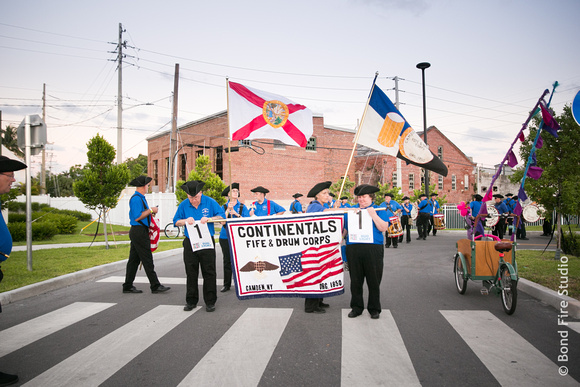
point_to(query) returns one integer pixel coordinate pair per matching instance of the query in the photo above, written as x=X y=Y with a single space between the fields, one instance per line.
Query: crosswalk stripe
x=240 y=357
x=163 y=280
x=373 y=352
x=509 y=357
x=30 y=331
x=96 y=363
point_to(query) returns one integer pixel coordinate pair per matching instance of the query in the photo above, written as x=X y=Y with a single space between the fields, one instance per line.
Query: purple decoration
x=550 y=123
x=512 y=159
x=535 y=172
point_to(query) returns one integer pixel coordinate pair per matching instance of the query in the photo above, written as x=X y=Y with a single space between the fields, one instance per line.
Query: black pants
x=431 y=225
x=521 y=232
x=225 y=245
x=389 y=240
x=365 y=261
x=423 y=224
x=140 y=253
x=311 y=304
x=406 y=228
x=499 y=229
x=193 y=260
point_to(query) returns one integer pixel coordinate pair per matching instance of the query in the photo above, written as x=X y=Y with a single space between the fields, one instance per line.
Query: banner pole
x=229 y=131
x=357 y=136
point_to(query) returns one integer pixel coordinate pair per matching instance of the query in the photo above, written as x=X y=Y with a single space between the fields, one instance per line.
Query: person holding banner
x=296 y=206
x=365 y=252
x=424 y=216
x=263 y=206
x=198 y=245
x=393 y=209
x=321 y=196
x=233 y=209
x=406 y=218
x=139 y=216
x=434 y=210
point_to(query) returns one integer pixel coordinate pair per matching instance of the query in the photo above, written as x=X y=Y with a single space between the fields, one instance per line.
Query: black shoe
x=408 y=241
x=160 y=289
x=387 y=246
x=7 y=379
x=524 y=239
x=316 y=310
x=189 y=307
x=353 y=314
x=225 y=289
x=394 y=247
x=323 y=305
x=375 y=315
x=420 y=238
x=210 y=308
x=132 y=290
x=424 y=238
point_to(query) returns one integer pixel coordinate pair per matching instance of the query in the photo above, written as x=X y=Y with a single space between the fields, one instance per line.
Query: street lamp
x=423 y=66
x=120 y=128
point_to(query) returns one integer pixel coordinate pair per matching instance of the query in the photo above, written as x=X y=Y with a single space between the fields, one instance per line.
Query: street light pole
x=423 y=66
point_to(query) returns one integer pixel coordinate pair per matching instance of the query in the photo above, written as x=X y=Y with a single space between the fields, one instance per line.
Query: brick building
x=460 y=183
x=283 y=169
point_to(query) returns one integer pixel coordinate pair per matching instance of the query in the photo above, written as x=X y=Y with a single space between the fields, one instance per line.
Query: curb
x=70 y=279
x=551 y=298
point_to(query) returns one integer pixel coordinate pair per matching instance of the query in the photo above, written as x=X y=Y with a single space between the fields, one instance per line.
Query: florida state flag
x=258 y=114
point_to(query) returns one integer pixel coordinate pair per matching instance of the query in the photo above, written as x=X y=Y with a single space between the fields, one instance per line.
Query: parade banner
x=287 y=256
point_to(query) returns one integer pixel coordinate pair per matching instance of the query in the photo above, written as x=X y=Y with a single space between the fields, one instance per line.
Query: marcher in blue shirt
x=330 y=202
x=475 y=206
x=263 y=206
x=499 y=228
x=321 y=195
x=344 y=202
x=365 y=260
x=7 y=168
x=434 y=210
x=140 y=252
x=511 y=205
x=406 y=219
x=296 y=206
x=393 y=209
x=233 y=209
x=423 y=217
x=198 y=208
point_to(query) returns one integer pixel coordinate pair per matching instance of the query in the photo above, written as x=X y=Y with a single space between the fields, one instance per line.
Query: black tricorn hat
x=319 y=187
x=343 y=197
x=509 y=195
x=478 y=197
x=390 y=195
x=405 y=198
x=140 y=181
x=226 y=191
x=498 y=196
x=193 y=187
x=9 y=165
x=260 y=189
x=434 y=194
x=365 y=189
x=422 y=196
x=297 y=195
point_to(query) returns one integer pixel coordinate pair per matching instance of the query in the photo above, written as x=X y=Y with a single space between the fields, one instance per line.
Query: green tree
x=348 y=185
x=557 y=188
x=9 y=139
x=384 y=189
x=137 y=166
x=442 y=199
x=213 y=183
x=62 y=184
x=101 y=181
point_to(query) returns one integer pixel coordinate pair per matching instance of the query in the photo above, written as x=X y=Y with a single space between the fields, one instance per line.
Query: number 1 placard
x=199 y=236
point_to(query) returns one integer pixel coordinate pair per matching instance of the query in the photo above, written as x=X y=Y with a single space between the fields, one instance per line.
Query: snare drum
x=395 y=229
x=414 y=212
x=439 y=221
x=492 y=211
x=531 y=213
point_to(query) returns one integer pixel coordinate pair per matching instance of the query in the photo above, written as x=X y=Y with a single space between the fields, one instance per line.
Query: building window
x=183 y=166
x=394 y=180
x=411 y=181
x=440 y=152
x=279 y=144
x=219 y=158
x=311 y=144
x=245 y=143
x=484 y=189
x=495 y=188
x=198 y=153
x=440 y=185
x=466 y=181
x=453 y=182
x=422 y=177
x=155 y=173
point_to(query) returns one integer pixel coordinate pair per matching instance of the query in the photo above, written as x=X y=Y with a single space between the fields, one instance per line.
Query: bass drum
x=531 y=213
x=492 y=211
x=414 y=212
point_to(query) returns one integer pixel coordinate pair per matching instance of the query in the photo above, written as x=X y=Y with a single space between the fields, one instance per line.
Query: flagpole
x=229 y=131
x=357 y=135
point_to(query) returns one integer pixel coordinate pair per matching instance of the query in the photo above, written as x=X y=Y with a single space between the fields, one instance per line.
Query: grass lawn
x=543 y=270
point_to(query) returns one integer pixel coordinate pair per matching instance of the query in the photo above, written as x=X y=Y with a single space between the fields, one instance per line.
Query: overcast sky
x=490 y=62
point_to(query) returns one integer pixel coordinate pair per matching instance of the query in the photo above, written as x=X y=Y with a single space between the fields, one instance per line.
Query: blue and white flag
x=385 y=129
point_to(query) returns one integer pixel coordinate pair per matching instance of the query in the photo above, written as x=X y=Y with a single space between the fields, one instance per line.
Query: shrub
x=40 y=231
x=82 y=216
x=16 y=217
x=65 y=224
x=571 y=243
x=15 y=206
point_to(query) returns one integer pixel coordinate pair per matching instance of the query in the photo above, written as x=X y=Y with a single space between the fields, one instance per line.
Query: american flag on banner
x=311 y=266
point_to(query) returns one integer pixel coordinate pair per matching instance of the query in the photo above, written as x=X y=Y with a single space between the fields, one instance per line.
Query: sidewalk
x=548 y=296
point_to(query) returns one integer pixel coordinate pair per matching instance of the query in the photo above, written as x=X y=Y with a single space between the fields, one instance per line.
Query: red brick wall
x=282 y=171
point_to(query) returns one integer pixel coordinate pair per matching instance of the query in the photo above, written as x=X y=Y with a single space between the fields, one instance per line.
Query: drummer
x=406 y=218
x=434 y=210
x=393 y=209
x=499 y=229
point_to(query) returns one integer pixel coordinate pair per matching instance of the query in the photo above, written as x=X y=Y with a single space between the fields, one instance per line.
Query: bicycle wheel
x=509 y=291
x=171 y=231
x=460 y=280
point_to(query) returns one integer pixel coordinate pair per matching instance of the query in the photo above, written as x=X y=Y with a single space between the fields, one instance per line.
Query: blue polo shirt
x=138 y=204
x=330 y=205
x=475 y=207
x=378 y=237
x=406 y=208
x=296 y=207
x=501 y=208
x=345 y=205
x=207 y=207
x=434 y=206
x=5 y=237
x=394 y=206
x=262 y=209
x=425 y=206
x=245 y=213
x=315 y=206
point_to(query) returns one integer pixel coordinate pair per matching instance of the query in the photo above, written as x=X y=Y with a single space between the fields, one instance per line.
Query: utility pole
x=43 y=165
x=398 y=160
x=120 y=96
x=173 y=136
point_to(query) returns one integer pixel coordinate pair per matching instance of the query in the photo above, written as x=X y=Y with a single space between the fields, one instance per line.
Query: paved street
x=428 y=334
